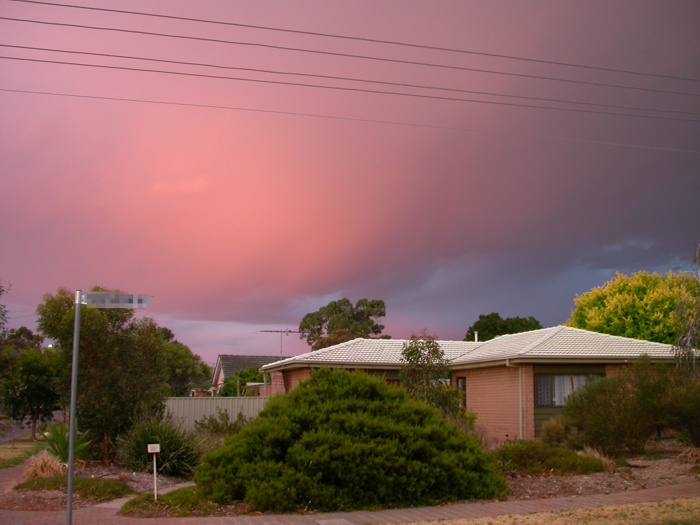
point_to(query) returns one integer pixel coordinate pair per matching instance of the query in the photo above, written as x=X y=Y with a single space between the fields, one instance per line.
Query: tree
x=493 y=325
x=687 y=344
x=234 y=384
x=340 y=321
x=31 y=388
x=185 y=370
x=426 y=375
x=123 y=375
x=642 y=306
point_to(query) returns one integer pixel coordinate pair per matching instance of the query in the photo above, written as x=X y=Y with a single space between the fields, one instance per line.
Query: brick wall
x=493 y=394
x=293 y=378
x=277 y=383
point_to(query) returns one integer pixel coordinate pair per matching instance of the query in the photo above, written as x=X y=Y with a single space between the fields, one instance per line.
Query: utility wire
x=333 y=77
x=354 y=56
x=350 y=119
x=363 y=39
x=353 y=89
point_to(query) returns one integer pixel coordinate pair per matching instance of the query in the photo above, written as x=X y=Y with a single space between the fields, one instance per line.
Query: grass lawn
x=14 y=452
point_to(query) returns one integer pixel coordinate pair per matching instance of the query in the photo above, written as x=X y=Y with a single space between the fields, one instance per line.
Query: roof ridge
x=550 y=332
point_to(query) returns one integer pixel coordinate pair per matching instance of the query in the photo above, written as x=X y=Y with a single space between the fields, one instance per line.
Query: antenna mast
x=281 y=332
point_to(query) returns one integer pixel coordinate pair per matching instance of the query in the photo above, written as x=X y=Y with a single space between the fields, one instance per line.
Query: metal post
x=73 y=404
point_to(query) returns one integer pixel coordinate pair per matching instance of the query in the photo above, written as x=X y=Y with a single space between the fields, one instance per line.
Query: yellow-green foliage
x=43 y=465
x=641 y=306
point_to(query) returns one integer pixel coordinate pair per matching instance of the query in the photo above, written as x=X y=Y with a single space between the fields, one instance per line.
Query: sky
x=248 y=162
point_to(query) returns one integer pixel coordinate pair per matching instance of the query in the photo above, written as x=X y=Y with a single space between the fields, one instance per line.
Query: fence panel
x=187 y=410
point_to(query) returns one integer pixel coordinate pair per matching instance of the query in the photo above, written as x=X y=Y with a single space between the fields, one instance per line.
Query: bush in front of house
x=683 y=410
x=344 y=440
x=534 y=458
x=179 y=454
x=617 y=415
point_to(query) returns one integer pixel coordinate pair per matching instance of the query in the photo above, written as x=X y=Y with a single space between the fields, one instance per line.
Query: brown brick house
x=513 y=383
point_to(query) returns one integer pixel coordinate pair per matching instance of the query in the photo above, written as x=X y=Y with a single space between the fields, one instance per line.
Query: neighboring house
x=513 y=383
x=228 y=365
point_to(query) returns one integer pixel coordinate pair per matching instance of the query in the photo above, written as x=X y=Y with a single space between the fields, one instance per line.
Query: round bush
x=344 y=440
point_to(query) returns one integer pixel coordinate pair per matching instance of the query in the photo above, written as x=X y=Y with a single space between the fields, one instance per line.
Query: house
x=228 y=365
x=513 y=383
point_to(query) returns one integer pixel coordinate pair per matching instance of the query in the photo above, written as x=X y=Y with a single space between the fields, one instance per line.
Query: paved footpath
x=106 y=513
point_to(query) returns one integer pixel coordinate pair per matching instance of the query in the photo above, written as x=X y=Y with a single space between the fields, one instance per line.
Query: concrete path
x=106 y=514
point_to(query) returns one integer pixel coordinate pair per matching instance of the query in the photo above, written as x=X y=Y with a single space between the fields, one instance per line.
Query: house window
x=462 y=389
x=552 y=390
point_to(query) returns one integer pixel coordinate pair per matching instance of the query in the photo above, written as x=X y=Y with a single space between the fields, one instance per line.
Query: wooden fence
x=187 y=410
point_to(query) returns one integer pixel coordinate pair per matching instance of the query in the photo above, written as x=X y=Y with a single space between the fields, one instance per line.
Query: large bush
x=343 y=441
x=619 y=414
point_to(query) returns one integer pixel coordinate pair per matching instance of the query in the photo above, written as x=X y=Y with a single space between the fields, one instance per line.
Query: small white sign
x=154 y=448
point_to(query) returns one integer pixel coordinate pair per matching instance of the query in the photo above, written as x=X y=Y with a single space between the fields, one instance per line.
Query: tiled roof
x=230 y=364
x=563 y=343
x=559 y=343
x=370 y=353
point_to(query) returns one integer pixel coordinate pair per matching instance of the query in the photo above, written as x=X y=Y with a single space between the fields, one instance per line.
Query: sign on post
x=116 y=300
x=154 y=448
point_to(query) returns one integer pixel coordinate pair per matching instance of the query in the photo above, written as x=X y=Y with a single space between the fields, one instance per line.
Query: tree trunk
x=105 y=449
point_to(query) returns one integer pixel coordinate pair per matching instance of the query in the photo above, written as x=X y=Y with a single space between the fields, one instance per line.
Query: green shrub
x=212 y=430
x=534 y=458
x=684 y=410
x=557 y=432
x=619 y=414
x=344 y=441
x=221 y=424
x=179 y=453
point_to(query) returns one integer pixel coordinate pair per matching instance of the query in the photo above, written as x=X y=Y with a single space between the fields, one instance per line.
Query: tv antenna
x=281 y=332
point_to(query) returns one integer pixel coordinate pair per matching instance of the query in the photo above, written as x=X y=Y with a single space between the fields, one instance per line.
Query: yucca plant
x=58 y=440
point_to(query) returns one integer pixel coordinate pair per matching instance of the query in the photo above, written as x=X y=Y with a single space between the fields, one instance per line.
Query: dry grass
x=589 y=452
x=690 y=455
x=43 y=465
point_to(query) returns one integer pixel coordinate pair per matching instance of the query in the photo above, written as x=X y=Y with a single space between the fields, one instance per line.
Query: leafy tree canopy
x=493 y=325
x=340 y=321
x=344 y=440
x=641 y=306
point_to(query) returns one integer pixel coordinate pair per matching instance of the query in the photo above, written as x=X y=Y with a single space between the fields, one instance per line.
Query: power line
x=355 y=56
x=353 y=119
x=364 y=39
x=351 y=79
x=353 y=89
